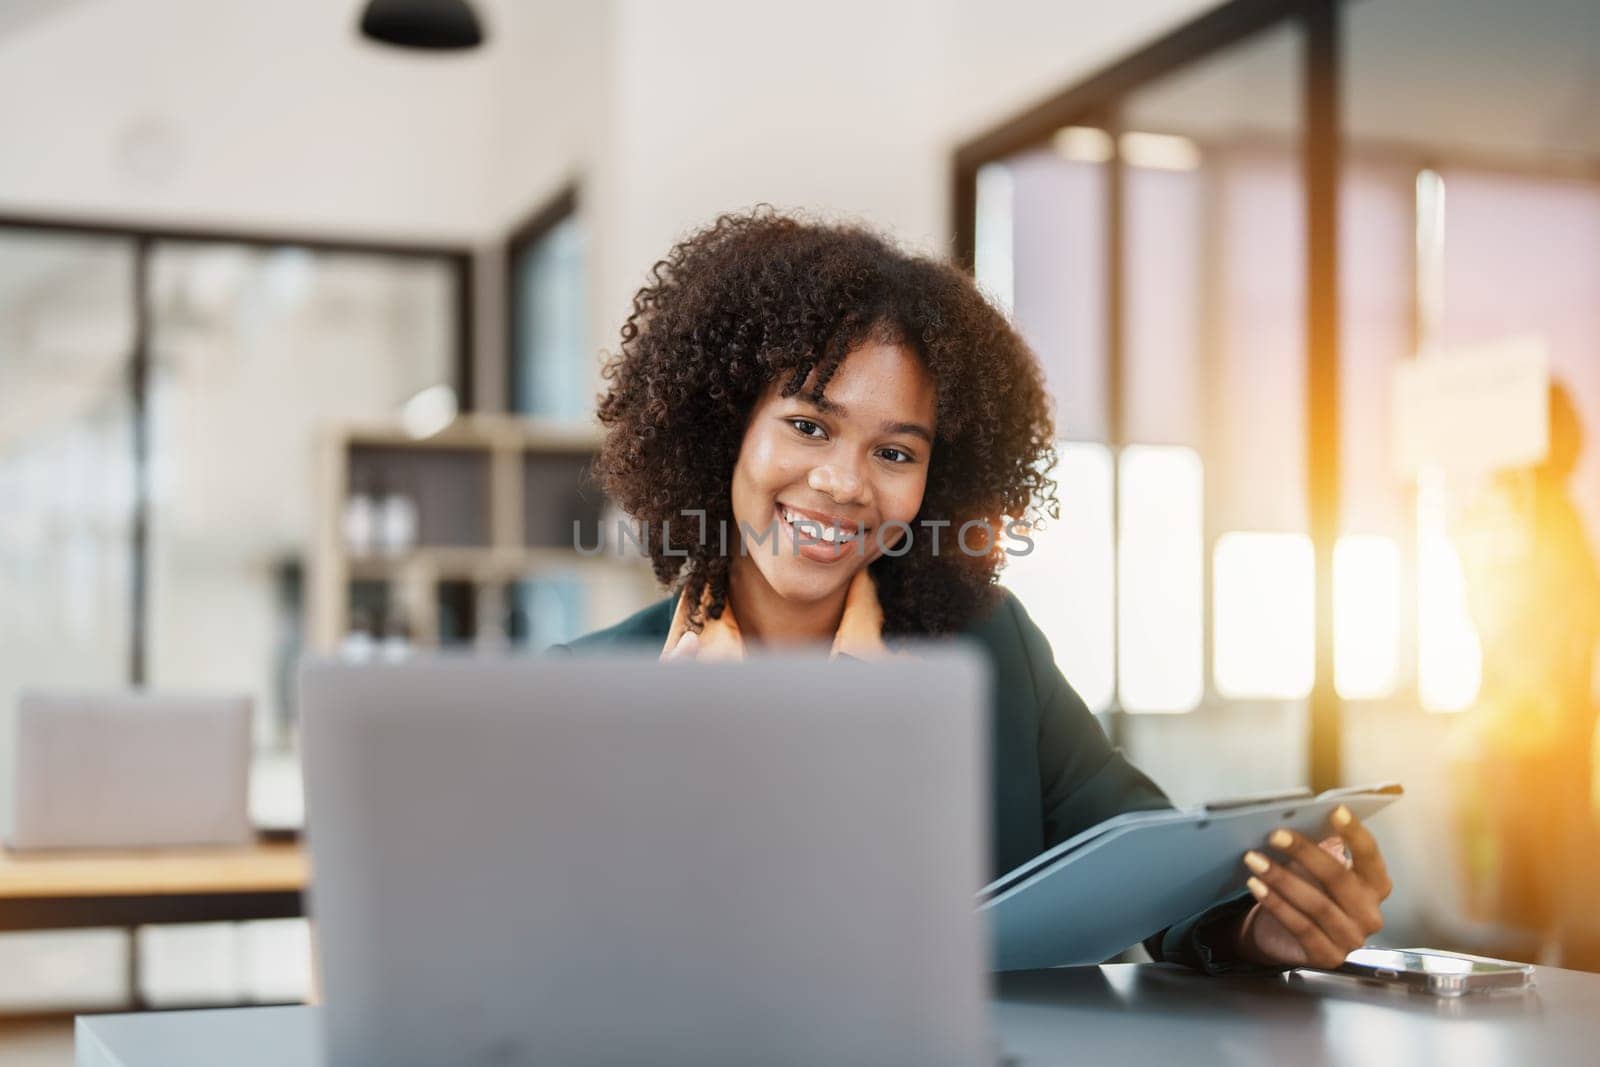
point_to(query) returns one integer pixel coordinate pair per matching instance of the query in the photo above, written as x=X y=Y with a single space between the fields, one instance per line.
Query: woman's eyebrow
x=829 y=407
x=823 y=404
x=913 y=429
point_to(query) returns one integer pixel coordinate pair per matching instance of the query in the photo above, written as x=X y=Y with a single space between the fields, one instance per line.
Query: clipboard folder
x=1137 y=873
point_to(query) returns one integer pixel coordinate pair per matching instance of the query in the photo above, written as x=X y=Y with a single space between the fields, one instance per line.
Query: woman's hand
x=1312 y=908
x=687 y=648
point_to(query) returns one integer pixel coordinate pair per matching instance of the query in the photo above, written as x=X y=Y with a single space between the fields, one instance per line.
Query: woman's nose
x=845 y=486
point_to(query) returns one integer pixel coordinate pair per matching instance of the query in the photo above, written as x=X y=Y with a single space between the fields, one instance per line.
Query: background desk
x=128 y=888
x=51 y=890
x=1122 y=1013
x=133 y=887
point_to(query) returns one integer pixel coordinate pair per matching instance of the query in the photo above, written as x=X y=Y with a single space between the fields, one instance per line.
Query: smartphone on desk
x=1441 y=974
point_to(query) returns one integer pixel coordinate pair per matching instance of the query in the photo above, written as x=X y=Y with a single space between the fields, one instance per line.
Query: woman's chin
x=804 y=582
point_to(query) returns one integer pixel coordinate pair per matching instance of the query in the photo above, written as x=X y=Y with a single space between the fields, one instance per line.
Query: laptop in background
x=128 y=770
x=611 y=860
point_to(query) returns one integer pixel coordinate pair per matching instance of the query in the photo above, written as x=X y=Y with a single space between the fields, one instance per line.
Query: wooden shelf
x=481 y=432
x=449 y=563
x=496 y=498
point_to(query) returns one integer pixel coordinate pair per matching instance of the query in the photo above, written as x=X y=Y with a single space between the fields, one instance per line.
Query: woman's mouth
x=818 y=539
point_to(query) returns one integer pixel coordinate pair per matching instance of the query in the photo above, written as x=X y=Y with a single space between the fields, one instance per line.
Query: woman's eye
x=894 y=455
x=807 y=427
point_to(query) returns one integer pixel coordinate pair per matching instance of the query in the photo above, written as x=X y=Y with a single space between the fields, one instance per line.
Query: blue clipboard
x=1122 y=880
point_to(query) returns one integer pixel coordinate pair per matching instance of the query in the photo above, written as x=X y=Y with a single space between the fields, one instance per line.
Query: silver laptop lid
x=129 y=770
x=617 y=861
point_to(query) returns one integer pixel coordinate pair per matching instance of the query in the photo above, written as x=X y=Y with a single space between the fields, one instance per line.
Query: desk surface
x=56 y=890
x=1123 y=1013
x=263 y=868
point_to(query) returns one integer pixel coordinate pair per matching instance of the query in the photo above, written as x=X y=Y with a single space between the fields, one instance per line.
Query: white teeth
x=814 y=528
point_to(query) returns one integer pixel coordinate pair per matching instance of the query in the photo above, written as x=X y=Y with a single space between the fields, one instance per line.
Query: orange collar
x=860 y=632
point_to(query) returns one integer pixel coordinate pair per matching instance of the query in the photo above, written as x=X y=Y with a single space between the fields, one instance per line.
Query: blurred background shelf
x=465 y=535
x=470 y=564
x=480 y=431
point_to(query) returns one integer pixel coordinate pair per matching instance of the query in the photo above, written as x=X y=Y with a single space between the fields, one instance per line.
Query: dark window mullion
x=139 y=395
x=1321 y=161
x=1116 y=409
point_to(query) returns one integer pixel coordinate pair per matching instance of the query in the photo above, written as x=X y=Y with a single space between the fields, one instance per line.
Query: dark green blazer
x=1053 y=772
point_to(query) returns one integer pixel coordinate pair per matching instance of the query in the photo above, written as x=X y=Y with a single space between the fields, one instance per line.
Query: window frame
x=560 y=207
x=144 y=239
x=1096 y=102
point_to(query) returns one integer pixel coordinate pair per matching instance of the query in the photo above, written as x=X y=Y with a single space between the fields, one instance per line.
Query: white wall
x=836 y=106
x=227 y=113
x=551 y=82
x=277 y=116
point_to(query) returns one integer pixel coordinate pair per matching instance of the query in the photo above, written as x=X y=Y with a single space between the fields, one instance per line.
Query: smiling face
x=858 y=461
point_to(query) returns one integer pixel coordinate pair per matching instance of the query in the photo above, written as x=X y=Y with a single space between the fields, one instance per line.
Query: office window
x=1160 y=531
x=1210 y=340
x=67 y=477
x=995 y=256
x=1468 y=215
x=1058 y=239
x=1366 y=617
x=256 y=351
x=1065 y=582
x=67 y=494
x=553 y=370
x=1164 y=320
x=1263 y=622
x=1379 y=246
x=1449 y=658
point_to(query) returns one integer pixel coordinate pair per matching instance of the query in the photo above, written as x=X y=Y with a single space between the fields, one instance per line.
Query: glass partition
x=1213 y=268
x=178 y=563
x=66 y=461
x=256 y=351
x=1470 y=236
x=1153 y=255
x=1041 y=233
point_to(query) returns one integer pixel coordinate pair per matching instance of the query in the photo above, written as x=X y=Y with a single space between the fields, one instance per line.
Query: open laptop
x=613 y=861
x=130 y=769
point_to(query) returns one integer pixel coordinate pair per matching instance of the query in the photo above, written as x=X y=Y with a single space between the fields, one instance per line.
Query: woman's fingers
x=1339 y=928
x=1318 y=950
x=1346 y=885
x=1365 y=856
x=1326 y=895
x=687 y=647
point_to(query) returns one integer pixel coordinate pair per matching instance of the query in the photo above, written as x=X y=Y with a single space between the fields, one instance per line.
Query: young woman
x=834 y=436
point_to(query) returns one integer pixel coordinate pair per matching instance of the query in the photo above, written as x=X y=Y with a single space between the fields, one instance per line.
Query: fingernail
x=1341 y=816
x=1257 y=887
x=1280 y=839
x=1256 y=862
x=686 y=647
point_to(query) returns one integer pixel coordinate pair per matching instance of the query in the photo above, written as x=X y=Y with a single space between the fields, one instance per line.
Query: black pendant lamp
x=434 y=25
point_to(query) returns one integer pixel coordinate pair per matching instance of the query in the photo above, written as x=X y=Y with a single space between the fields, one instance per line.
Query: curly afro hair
x=761 y=297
